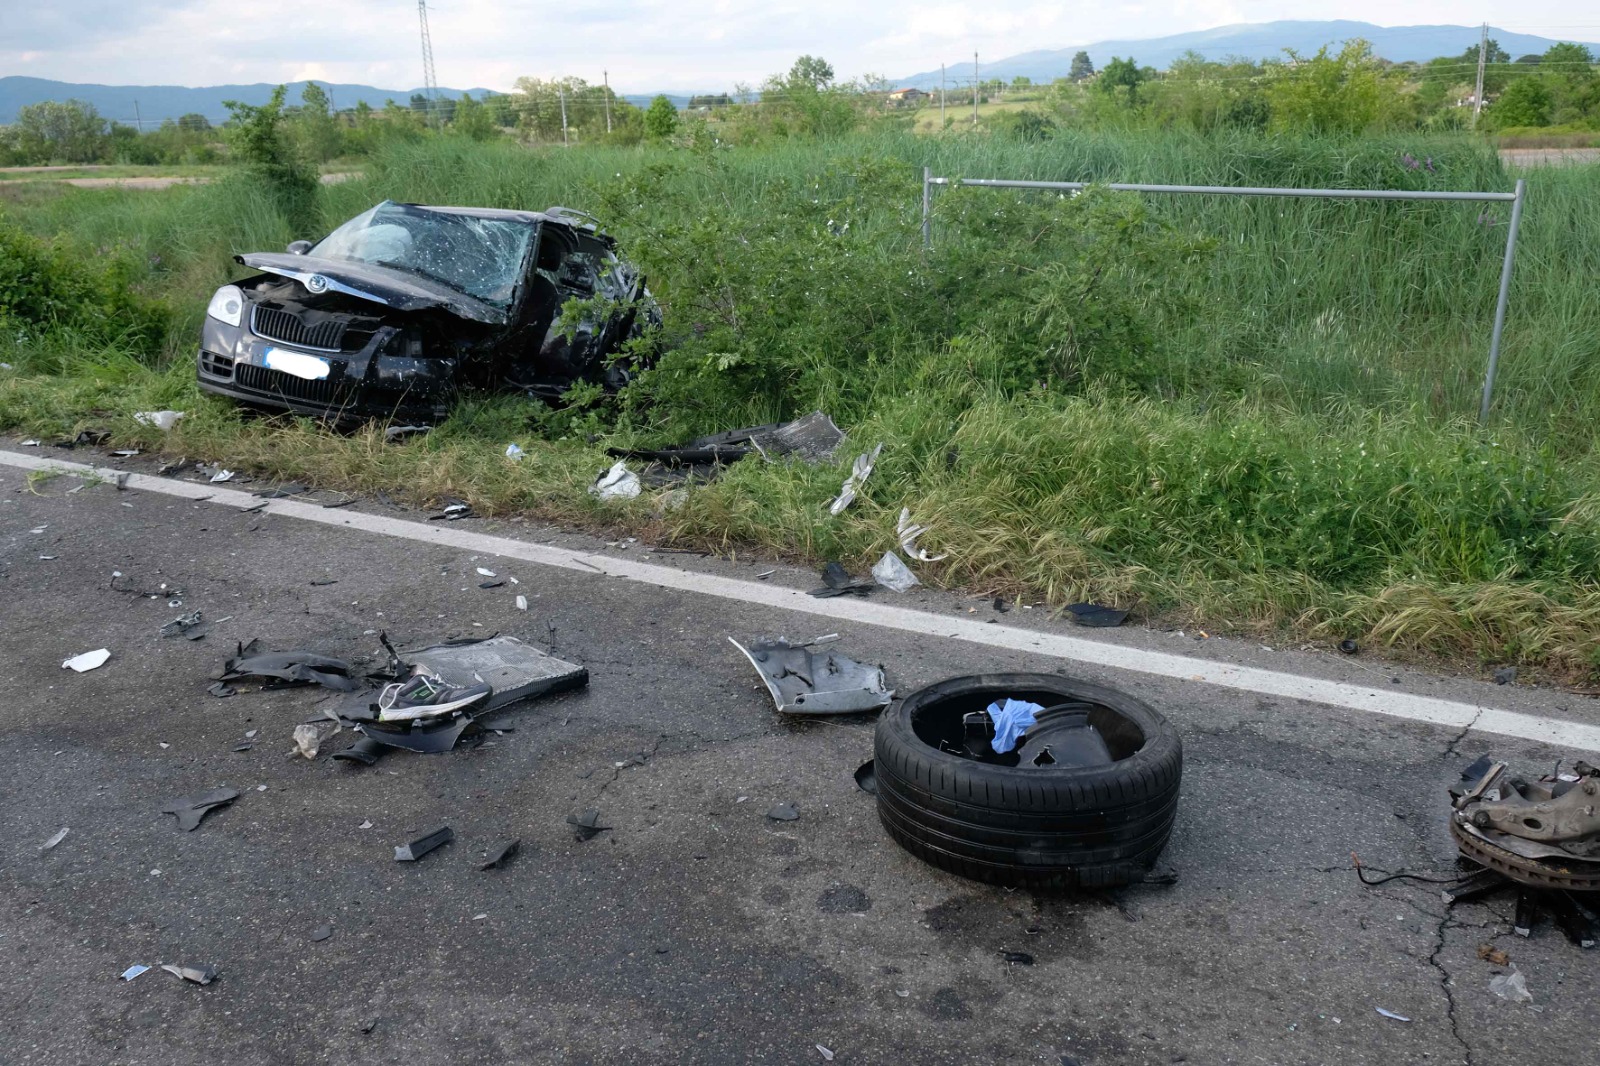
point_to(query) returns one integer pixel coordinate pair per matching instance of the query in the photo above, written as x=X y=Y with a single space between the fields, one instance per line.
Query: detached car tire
x=1050 y=826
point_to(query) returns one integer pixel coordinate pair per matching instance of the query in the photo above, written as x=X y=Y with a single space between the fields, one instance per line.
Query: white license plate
x=301 y=365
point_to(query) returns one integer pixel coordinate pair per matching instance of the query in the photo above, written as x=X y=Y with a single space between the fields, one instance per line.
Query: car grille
x=213 y=365
x=282 y=326
x=277 y=383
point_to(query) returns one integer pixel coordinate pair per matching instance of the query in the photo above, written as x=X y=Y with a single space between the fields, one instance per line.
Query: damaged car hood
x=393 y=288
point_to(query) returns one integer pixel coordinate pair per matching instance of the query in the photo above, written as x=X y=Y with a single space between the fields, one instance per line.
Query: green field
x=1246 y=414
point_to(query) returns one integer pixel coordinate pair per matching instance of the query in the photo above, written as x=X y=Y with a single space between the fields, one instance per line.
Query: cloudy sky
x=644 y=44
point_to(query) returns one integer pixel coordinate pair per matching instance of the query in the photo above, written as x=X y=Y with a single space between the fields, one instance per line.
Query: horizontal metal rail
x=1515 y=198
x=1235 y=190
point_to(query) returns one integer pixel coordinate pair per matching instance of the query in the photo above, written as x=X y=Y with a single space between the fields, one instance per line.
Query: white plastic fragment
x=908 y=539
x=513 y=452
x=30 y=444
x=1512 y=986
x=1391 y=1014
x=162 y=420
x=89 y=660
x=522 y=603
x=366 y=824
x=826 y=1054
x=618 y=483
x=53 y=841
x=308 y=739
x=222 y=475
x=892 y=573
x=860 y=470
x=485 y=573
x=133 y=971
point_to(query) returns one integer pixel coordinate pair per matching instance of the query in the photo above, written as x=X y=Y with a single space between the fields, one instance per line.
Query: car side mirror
x=299 y=247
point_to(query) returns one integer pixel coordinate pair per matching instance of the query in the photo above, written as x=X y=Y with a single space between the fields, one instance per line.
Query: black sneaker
x=426 y=696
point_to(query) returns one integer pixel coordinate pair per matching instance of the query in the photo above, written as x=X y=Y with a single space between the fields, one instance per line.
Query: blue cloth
x=1011 y=719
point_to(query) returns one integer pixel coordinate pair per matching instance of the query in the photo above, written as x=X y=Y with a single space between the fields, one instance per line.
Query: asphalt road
x=694 y=930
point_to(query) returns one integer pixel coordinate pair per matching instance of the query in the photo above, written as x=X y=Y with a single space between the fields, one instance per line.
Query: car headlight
x=227 y=305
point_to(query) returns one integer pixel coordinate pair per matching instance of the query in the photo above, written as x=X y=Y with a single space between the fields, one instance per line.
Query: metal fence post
x=1500 y=305
x=927 y=208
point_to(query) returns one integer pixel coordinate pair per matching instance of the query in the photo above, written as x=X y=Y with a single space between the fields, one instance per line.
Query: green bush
x=48 y=285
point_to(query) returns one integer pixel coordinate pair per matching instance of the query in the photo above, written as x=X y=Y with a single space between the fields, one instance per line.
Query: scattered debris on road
x=783 y=812
x=89 y=660
x=134 y=971
x=892 y=573
x=501 y=855
x=860 y=470
x=837 y=581
x=308 y=737
x=1017 y=958
x=908 y=535
x=617 y=483
x=1097 y=614
x=190 y=626
x=1511 y=986
x=1349 y=647
x=804 y=681
x=419 y=847
x=54 y=840
x=200 y=975
x=290 y=668
x=1391 y=1014
x=189 y=810
x=162 y=420
x=586 y=826
x=321 y=933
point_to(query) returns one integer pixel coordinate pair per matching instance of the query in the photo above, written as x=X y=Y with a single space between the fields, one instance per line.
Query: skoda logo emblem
x=317 y=283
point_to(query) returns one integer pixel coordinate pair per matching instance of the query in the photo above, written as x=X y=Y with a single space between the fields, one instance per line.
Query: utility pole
x=136 y=119
x=974 y=88
x=605 y=77
x=562 y=92
x=430 y=82
x=1483 y=54
x=941 y=96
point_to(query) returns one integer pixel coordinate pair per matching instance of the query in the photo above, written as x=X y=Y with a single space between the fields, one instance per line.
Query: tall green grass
x=1270 y=424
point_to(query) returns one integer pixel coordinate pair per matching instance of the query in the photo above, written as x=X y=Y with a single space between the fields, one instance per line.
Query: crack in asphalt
x=1447 y=922
x=1450 y=749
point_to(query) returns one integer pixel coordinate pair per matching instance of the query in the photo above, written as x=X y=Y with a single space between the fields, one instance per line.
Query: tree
x=194 y=123
x=1344 y=93
x=70 y=131
x=1526 y=102
x=661 y=120
x=1081 y=67
x=810 y=70
x=1494 y=52
x=1121 y=74
x=1567 y=56
x=473 y=119
x=315 y=129
x=262 y=146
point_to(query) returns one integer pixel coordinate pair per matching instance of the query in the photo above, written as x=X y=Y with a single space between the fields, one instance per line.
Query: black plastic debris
x=1349 y=647
x=425 y=736
x=282 y=491
x=200 y=975
x=1017 y=958
x=369 y=1025
x=321 y=933
x=246 y=746
x=586 y=826
x=497 y=583
x=1097 y=614
x=422 y=845
x=325 y=581
x=292 y=668
x=837 y=581
x=501 y=855
x=222 y=690
x=1505 y=675
x=812 y=439
x=365 y=751
x=1001 y=606
x=867 y=777
x=804 y=680
x=190 y=809
x=784 y=812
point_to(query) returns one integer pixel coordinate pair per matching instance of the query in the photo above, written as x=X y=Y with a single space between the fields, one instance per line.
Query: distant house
x=906 y=97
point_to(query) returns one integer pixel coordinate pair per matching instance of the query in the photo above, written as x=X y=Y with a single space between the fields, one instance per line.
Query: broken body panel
x=404 y=306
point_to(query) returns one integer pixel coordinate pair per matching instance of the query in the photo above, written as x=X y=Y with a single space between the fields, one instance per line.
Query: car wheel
x=1086 y=800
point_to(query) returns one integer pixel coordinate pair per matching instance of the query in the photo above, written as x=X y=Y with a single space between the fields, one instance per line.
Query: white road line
x=1446 y=713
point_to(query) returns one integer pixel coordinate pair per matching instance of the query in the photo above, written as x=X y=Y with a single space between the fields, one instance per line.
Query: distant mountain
x=1249 y=41
x=153 y=103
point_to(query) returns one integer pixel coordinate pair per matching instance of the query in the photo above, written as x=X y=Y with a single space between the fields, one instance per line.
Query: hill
x=151 y=104
x=1248 y=41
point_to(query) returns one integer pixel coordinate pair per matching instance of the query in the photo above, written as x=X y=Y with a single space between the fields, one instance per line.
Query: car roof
x=562 y=216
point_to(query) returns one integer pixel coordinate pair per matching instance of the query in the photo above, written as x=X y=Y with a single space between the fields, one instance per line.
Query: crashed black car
x=399 y=309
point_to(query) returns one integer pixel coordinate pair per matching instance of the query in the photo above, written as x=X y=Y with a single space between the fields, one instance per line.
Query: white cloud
x=644 y=44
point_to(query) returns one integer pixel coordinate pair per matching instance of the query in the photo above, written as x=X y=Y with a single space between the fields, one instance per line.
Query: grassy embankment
x=1245 y=413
